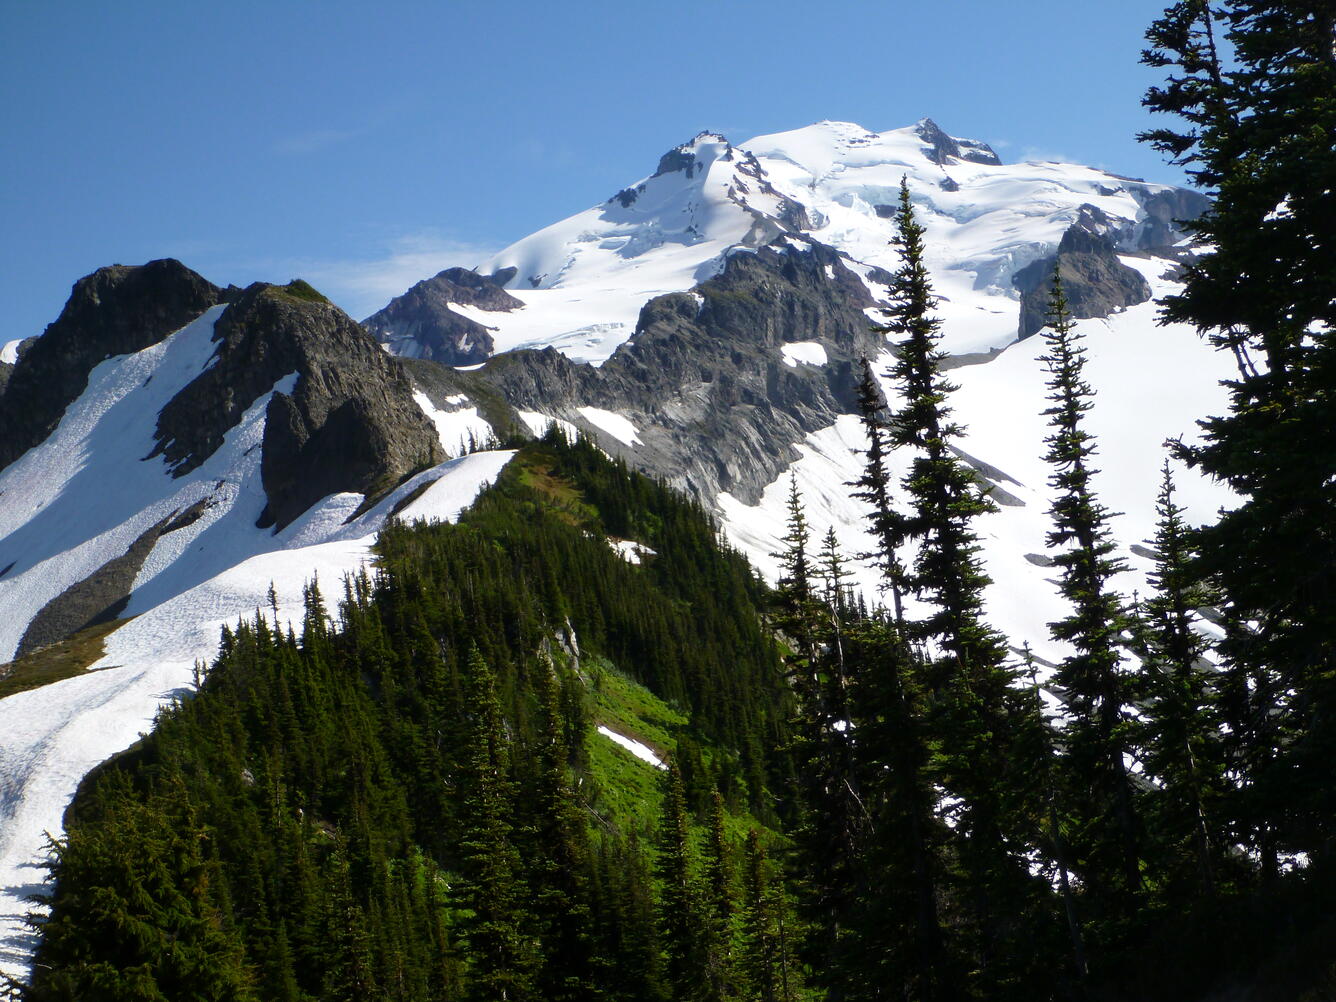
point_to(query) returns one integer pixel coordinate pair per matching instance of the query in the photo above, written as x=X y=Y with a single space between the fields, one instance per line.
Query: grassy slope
x=66 y=659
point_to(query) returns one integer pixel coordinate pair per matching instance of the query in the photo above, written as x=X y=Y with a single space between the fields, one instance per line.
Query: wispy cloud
x=1043 y=154
x=545 y=153
x=300 y=144
x=363 y=285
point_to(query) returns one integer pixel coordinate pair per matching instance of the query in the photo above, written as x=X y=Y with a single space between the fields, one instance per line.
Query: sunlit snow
x=805 y=352
x=640 y=751
x=77 y=501
x=614 y=424
x=583 y=280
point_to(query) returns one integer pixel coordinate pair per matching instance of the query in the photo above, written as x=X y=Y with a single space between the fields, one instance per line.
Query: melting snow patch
x=640 y=751
x=538 y=424
x=614 y=424
x=456 y=429
x=807 y=352
x=629 y=550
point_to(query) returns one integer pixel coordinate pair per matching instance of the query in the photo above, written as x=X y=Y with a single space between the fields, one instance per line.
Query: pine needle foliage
x=1094 y=679
x=401 y=803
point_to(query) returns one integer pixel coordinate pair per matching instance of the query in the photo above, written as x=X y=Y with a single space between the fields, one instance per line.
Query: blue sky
x=364 y=147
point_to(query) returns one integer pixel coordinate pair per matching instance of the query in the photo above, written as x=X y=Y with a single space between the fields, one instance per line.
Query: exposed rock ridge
x=680 y=159
x=1095 y=281
x=944 y=148
x=350 y=424
x=683 y=158
x=98 y=598
x=791 y=214
x=1165 y=212
x=703 y=378
x=423 y=315
x=114 y=311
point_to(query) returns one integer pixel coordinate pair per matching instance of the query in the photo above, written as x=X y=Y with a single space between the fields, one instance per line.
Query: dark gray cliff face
x=944 y=147
x=350 y=424
x=1165 y=211
x=704 y=380
x=423 y=314
x=1095 y=281
x=114 y=311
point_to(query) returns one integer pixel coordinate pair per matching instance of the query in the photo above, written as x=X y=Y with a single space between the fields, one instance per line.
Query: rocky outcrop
x=943 y=148
x=1165 y=211
x=114 y=311
x=1095 y=281
x=349 y=424
x=98 y=598
x=683 y=158
x=423 y=316
x=704 y=379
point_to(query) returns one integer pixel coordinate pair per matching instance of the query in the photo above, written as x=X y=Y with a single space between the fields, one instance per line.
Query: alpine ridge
x=174 y=455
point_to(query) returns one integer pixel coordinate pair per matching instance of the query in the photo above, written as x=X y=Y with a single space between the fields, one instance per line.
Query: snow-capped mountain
x=109 y=527
x=779 y=250
x=168 y=449
x=582 y=281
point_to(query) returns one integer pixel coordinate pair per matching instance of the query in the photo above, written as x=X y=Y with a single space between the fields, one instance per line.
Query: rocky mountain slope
x=583 y=281
x=169 y=448
x=778 y=252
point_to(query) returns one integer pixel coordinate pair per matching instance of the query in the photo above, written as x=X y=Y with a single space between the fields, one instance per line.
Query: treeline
x=1158 y=820
x=400 y=802
x=404 y=805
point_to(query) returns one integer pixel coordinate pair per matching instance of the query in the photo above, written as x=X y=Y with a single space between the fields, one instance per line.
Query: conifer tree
x=1253 y=81
x=1181 y=724
x=1056 y=837
x=795 y=600
x=1093 y=678
x=145 y=926
x=680 y=912
x=760 y=956
x=885 y=523
x=894 y=938
x=350 y=976
x=718 y=905
x=498 y=943
x=977 y=709
x=559 y=859
x=830 y=833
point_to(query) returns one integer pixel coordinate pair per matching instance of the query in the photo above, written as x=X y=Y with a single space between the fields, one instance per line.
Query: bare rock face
x=1095 y=281
x=944 y=148
x=423 y=314
x=114 y=311
x=350 y=424
x=1165 y=211
x=704 y=379
x=98 y=598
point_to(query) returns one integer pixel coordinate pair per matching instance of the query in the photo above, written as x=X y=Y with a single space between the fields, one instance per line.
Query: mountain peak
x=943 y=147
x=702 y=149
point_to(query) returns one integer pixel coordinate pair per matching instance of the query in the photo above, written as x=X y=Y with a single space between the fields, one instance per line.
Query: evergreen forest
x=406 y=796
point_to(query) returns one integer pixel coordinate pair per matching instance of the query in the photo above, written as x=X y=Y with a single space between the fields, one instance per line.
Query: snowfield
x=84 y=496
x=1152 y=383
x=584 y=279
x=79 y=500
